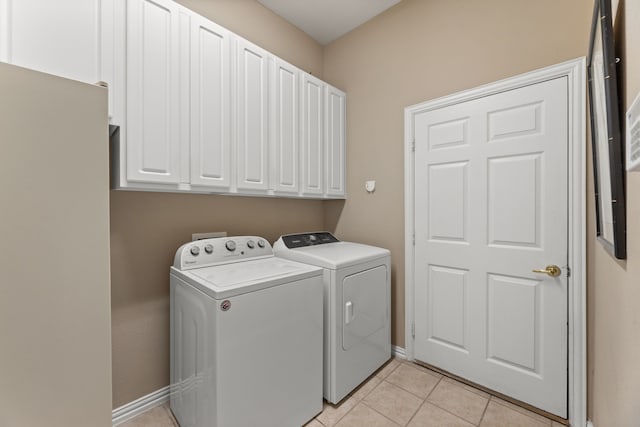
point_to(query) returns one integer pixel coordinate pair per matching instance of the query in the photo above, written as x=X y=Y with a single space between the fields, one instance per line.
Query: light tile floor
x=403 y=394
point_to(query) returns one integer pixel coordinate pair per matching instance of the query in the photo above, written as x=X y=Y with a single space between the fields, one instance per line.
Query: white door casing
x=474 y=261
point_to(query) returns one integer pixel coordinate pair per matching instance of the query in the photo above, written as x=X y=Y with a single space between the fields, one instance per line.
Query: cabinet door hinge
x=413 y=146
x=414 y=239
x=413 y=330
x=568 y=271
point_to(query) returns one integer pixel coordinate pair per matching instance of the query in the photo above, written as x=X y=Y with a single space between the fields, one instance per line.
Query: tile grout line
x=449 y=412
x=484 y=412
x=521 y=412
x=378 y=412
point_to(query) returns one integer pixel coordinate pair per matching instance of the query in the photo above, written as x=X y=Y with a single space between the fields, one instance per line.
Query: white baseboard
x=398 y=352
x=138 y=406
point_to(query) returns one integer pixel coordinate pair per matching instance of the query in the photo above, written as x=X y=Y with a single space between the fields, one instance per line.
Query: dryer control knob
x=195 y=250
x=261 y=243
x=208 y=248
x=313 y=238
x=231 y=245
x=251 y=244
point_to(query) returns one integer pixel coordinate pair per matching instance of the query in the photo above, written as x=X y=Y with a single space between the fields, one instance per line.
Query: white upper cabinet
x=153 y=91
x=211 y=154
x=71 y=38
x=312 y=139
x=56 y=37
x=199 y=108
x=285 y=129
x=252 y=109
x=335 y=136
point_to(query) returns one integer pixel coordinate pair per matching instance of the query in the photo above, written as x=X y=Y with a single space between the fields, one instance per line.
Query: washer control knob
x=312 y=238
x=195 y=250
x=261 y=243
x=208 y=248
x=230 y=245
x=251 y=244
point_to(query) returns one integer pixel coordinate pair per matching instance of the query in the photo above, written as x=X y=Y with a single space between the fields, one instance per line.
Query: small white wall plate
x=370 y=186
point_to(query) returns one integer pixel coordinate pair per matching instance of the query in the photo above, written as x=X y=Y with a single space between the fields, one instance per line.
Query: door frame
x=574 y=70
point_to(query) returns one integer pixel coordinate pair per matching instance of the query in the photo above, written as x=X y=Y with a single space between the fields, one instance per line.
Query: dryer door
x=364 y=295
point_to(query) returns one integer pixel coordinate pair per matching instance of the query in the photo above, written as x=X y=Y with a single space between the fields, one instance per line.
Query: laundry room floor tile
x=501 y=416
x=430 y=415
x=388 y=368
x=459 y=401
x=413 y=380
x=402 y=394
x=363 y=416
x=331 y=414
x=393 y=402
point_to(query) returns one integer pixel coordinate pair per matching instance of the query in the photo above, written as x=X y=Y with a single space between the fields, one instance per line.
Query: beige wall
x=416 y=51
x=420 y=50
x=614 y=286
x=55 y=347
x=147 y=228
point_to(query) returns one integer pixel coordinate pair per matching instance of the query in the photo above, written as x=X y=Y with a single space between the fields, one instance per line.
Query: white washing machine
x=357 y=283
x=246 y=336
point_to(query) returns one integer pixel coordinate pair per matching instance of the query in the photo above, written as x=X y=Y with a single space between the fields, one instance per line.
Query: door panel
x=364 y=295
x=284 y=127
x=335 y=135
x=252 y=109
x=312 y=135
x=210 y=105
x=447 y=301
x=490 y=206
x=448 y=213
x=153 y=139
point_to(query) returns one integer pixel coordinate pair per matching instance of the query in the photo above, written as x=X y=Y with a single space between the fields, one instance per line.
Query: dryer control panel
x=292 y=241
x=221 y=250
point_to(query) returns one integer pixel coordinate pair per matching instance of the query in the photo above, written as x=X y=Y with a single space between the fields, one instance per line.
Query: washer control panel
x=292 y=241
x=220 y=250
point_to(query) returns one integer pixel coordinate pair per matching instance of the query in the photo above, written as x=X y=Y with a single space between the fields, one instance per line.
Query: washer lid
x=228 y=280
x=331 y=255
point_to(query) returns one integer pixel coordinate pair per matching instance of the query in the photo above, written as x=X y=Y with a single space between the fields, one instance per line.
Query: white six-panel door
x=491 y=188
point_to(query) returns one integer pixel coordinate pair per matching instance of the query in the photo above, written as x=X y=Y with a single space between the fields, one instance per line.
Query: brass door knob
x=551 y=270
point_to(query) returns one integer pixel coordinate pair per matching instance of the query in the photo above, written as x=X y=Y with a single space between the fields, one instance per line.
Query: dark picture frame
x=606 y=140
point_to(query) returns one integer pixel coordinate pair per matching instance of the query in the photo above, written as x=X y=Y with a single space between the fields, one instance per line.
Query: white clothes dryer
x=357 y=283
x=246 y=336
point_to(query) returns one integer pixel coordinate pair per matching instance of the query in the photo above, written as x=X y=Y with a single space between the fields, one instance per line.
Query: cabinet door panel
x=335 y=143
x=210 y=105
x=60 y=38
x=312 y=135
x=285 y=127
x=153 y=145
x=252 y=108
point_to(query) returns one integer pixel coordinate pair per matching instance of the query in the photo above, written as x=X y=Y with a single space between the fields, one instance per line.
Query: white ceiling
x=326 y=20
